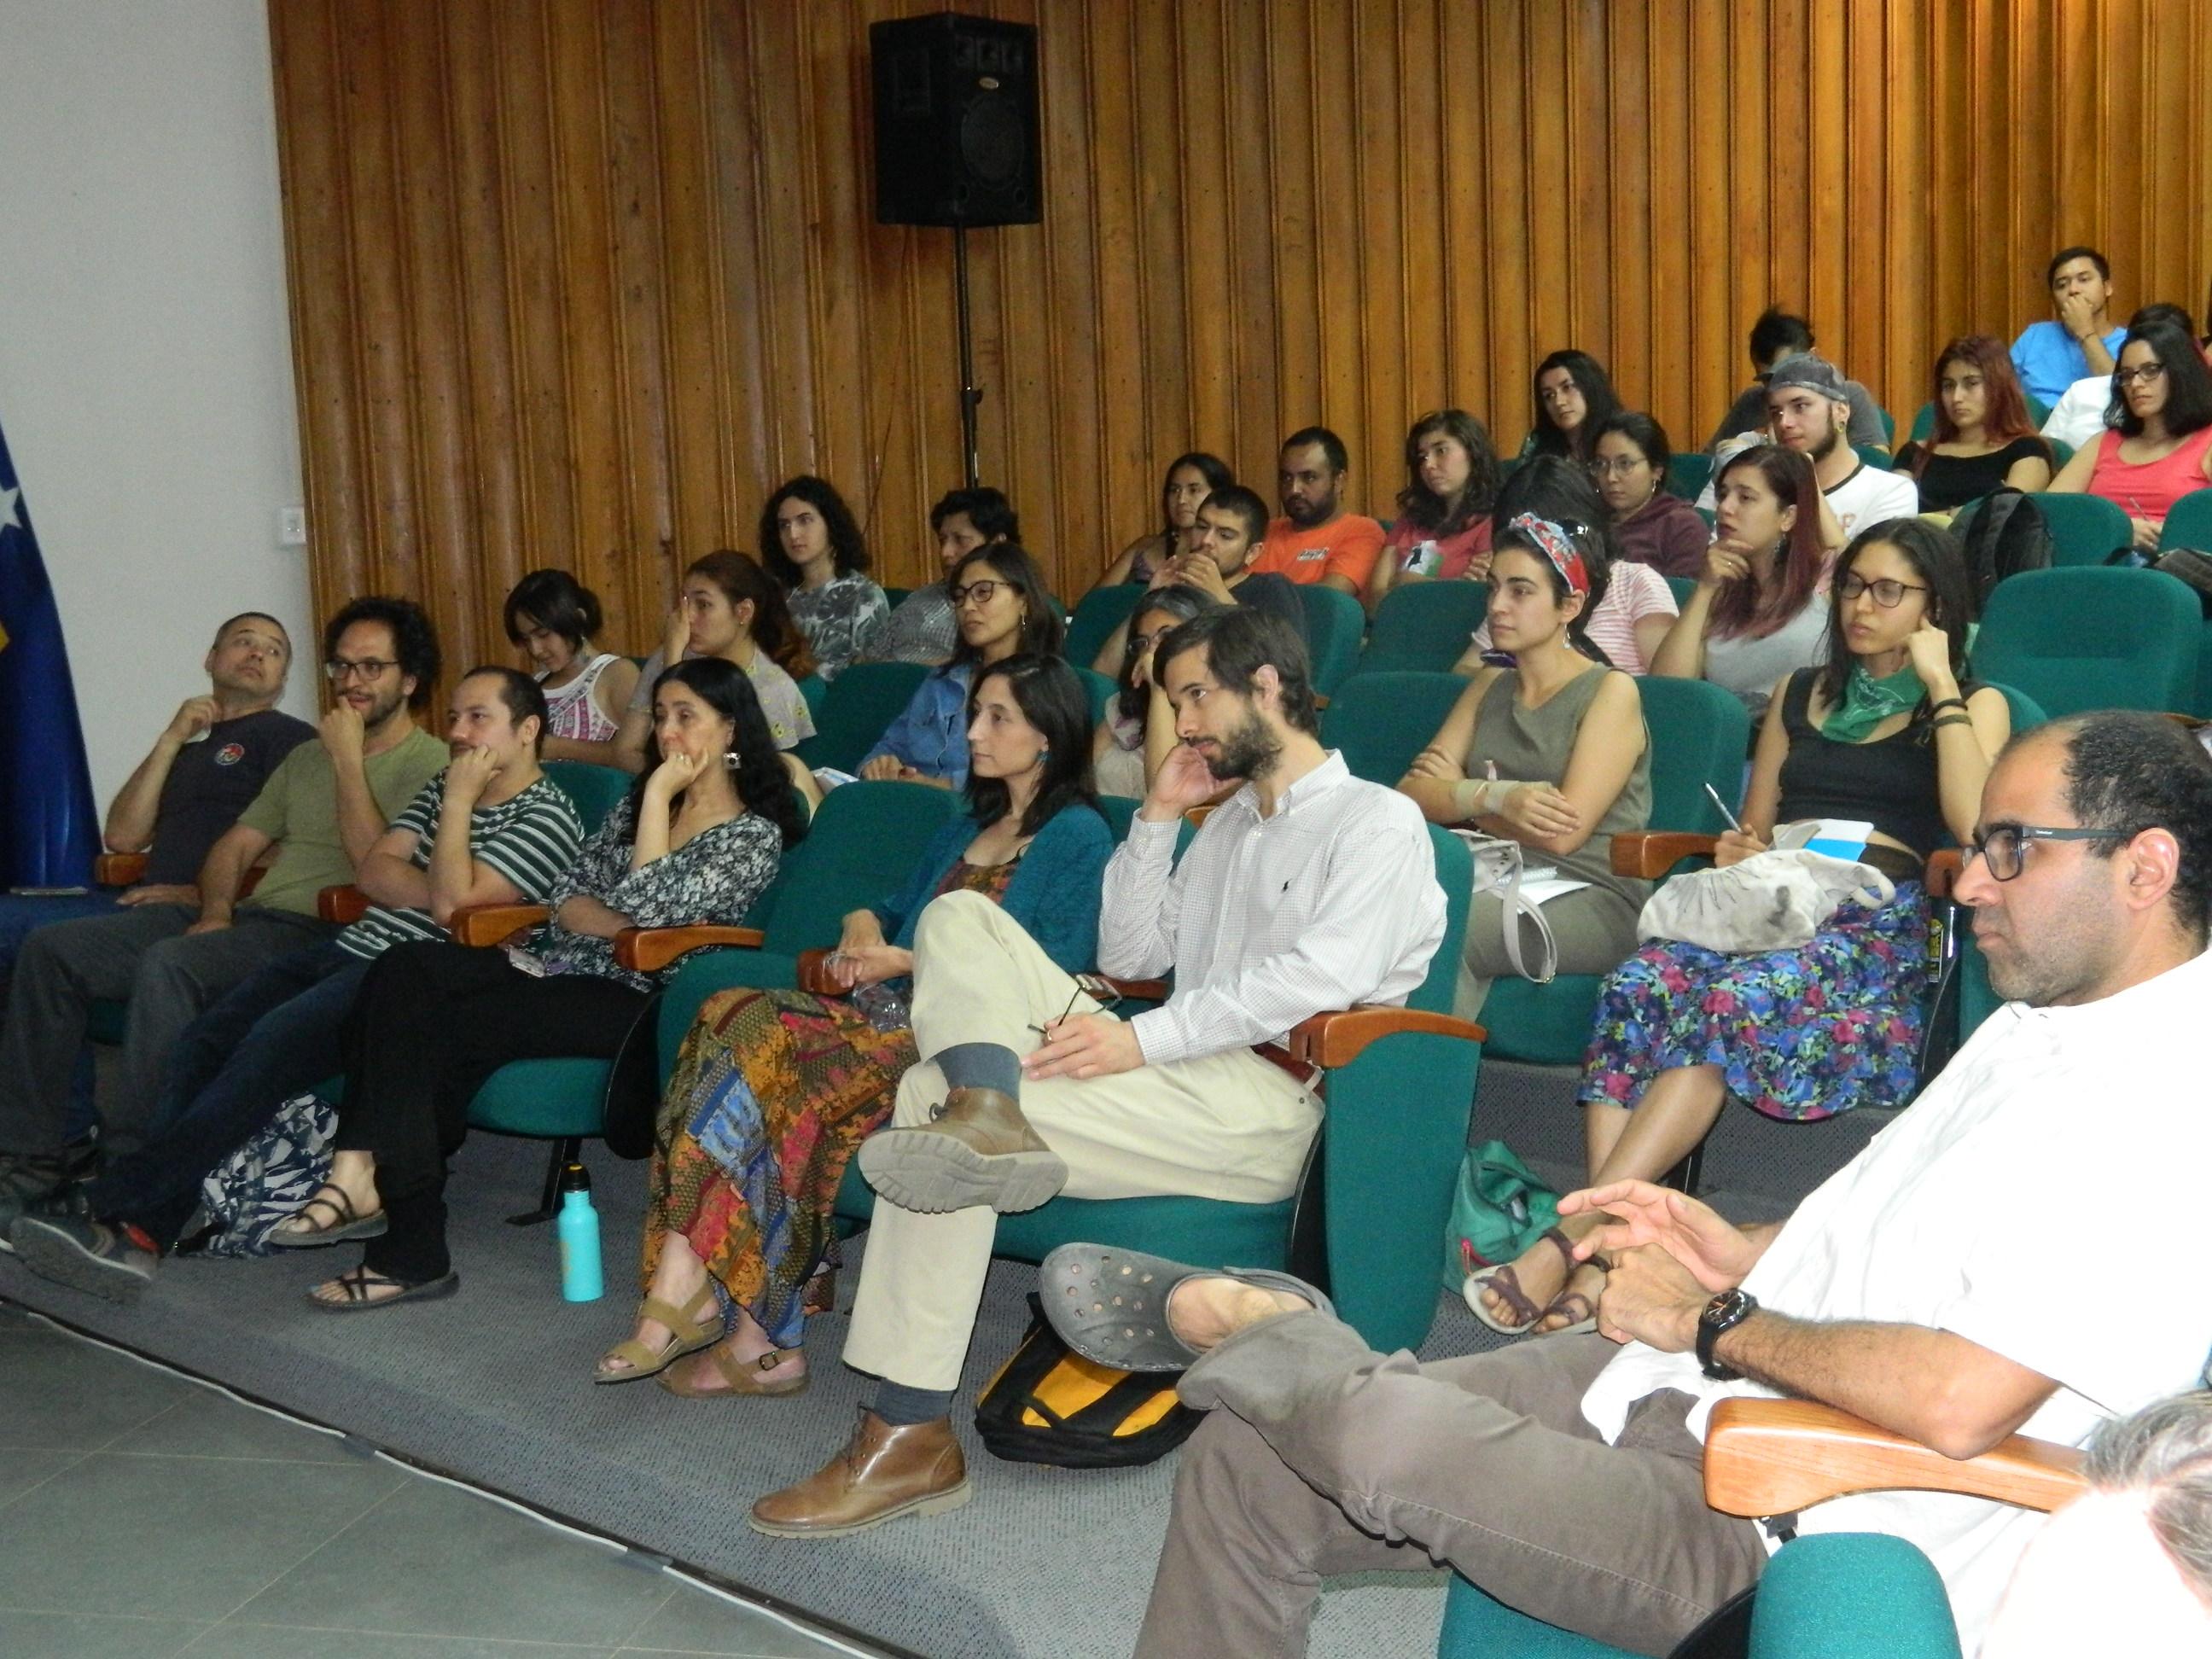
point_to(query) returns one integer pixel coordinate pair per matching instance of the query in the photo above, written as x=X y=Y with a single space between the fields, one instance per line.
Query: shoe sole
x=52 y=1254
x=936 y=1504
x=934 y=1173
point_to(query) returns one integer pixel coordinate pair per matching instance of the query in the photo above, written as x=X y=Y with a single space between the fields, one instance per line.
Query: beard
x=1311 y=514
x=386 y=705
x=1826 y=445
x=1246 y=753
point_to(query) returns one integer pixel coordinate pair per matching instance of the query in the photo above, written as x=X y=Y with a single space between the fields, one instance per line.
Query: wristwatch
x=1723 y=1313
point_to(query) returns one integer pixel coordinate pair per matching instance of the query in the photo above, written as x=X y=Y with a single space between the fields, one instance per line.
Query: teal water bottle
x=578 y=1226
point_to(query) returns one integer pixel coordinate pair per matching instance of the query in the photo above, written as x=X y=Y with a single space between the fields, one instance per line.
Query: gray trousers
x=144 y=955
x=1323 y=1456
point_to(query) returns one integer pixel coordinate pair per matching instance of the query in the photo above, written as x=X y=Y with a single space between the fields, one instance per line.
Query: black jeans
x=432 y=1023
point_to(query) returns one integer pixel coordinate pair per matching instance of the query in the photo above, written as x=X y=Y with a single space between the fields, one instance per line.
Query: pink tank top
x=2149 y=491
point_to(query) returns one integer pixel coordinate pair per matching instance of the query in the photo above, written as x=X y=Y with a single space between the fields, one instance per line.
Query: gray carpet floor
x=493 y=1386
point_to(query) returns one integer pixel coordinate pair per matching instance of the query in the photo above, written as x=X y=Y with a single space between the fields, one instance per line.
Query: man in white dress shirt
x=1307 y=889
x=1932 y=1286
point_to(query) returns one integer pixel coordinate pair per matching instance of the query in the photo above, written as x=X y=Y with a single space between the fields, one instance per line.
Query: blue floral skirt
x=1800 y=1034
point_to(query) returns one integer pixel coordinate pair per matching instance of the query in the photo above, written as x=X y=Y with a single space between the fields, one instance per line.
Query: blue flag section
x=49 y=832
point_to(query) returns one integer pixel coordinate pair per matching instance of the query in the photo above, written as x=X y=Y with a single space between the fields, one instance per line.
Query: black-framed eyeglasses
x=2141 y=374
x=1889 y=593
x=980 y=591
x=338 y=670
x=2006 y=846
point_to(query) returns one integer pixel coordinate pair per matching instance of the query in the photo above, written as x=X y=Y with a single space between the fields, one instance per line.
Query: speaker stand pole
x=970 y=393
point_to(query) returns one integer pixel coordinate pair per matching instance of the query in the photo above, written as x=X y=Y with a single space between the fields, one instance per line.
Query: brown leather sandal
x=1507 y=1284
x=742 y=1379
x=697 y=1326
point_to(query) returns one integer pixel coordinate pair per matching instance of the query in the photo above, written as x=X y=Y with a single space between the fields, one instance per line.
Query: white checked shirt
x=1332 y=901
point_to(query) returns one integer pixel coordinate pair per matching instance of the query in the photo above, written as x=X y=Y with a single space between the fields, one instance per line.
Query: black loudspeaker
x=955 y=121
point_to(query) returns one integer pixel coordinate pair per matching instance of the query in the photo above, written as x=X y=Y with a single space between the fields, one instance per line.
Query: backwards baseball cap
x=1810 y=370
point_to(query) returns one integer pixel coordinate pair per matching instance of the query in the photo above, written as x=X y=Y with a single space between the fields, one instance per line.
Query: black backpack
x=1049 y=1405
x=2008 y=535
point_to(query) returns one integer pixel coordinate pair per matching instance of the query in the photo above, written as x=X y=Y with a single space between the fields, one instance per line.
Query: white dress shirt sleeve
x=1141 y=903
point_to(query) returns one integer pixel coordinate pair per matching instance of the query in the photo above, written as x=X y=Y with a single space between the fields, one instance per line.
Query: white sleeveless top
x=572 y=712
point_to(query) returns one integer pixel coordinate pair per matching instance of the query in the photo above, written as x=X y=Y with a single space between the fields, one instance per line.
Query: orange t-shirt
x=1346 y=546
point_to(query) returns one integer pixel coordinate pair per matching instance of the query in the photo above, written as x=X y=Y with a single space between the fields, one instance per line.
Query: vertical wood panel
x=576 y=282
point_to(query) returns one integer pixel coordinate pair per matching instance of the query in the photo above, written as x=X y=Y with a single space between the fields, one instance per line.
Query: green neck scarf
x=1869 y=701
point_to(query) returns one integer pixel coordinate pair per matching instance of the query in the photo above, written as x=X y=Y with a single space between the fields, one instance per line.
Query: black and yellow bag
x=1049 y=1405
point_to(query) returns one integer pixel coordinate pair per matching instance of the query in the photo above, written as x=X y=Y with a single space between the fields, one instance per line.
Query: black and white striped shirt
x=1332 y=901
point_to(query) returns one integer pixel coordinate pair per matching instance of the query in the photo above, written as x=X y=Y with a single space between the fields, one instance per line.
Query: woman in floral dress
x=1889 y=731
x=775 y=1089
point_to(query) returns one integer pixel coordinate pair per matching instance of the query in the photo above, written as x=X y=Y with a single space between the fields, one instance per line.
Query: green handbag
x=1499 y=1209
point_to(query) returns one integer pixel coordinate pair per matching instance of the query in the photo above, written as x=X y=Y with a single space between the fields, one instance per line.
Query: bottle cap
x=575 y=1178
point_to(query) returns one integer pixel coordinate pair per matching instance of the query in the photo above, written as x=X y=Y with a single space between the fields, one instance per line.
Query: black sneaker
x=24 y=1182
x=59 y=1239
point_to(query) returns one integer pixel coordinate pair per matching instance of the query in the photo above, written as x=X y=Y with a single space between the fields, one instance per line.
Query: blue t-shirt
x=2049 y=359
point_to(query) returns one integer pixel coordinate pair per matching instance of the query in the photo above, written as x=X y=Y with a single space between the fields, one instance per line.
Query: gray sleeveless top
x=1533 y=745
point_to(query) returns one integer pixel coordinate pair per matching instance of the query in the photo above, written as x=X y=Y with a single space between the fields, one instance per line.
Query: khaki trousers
x=1230 y=1126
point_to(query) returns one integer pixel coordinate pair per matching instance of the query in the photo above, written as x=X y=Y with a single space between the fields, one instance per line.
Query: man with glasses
x=319 y=813
x=1934 y=1285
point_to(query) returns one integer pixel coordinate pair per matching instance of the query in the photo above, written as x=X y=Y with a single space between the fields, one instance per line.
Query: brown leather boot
x=882 y=1473
x=977 y=1149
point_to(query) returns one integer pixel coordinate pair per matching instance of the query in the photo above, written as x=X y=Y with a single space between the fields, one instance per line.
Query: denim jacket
x=931 y=733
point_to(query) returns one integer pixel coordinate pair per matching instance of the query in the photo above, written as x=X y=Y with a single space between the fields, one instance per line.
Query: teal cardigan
x=1054 y=893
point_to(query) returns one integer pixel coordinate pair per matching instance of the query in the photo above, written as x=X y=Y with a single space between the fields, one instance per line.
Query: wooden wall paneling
x=1791 y=254
x=1621 y=163
x=1338 y=270
x=1510 y=327
x=1900 y=356
x=1869 y=188
x=1462 y=213
x=1165 y=340
x=1716 y=334
x=1748 y=127
x=1660 y=43
x=837 y=212
x=1206 y=236
x=1370 y=128
x=1426 y=226
x=1126 y=480
x=1071 y=275
x=1550 y=201
x=1255 y=252
x=1828 y=117
x=1293 y=191
x=1592 y=274
x=744 y=435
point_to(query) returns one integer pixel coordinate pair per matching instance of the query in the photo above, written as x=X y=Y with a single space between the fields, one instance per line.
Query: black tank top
x=1892 y=783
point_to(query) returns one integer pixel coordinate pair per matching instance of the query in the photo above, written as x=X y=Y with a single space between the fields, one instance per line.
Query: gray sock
x=902 y=1407
x=981 y=1066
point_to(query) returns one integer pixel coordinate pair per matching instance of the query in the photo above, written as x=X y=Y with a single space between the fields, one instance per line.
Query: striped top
x=1332 y=901
x=532 y=840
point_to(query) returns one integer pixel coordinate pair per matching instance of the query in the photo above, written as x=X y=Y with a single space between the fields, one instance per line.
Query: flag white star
x=8 y=519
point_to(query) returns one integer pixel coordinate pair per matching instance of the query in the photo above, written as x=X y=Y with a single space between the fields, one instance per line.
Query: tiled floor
x=141 y=1514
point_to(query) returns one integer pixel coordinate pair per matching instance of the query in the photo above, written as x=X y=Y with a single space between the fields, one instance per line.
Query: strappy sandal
x=1507 y=1284
x=347 y=1224
x=745 y=1378
x=358 y=1284
x=695 y=1325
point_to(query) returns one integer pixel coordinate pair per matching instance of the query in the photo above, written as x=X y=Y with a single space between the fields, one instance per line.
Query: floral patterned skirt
x=1800 y=1034
x=773 y=1093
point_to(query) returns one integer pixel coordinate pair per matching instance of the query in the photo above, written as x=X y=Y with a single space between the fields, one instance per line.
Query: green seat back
x=1698 y=737
x=1097 y=614
x=1381 y=720
x=2074 y=640
x=1888 y=427
x=2084 y=529
x=1097 y=688
x=896 y=596
x=595 y=789
x=859 y=703
x=1334 y=622
x=1875 y=455
x=815 y=690
x=550 y=1098
x=1687 y=475
x=1424 y=626
x=1681 y=588
x=2190 y=524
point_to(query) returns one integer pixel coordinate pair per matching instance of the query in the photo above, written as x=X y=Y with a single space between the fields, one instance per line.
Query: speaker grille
x=992 y=140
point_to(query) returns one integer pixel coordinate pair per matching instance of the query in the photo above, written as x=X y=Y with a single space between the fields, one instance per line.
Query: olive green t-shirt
x=298 y=809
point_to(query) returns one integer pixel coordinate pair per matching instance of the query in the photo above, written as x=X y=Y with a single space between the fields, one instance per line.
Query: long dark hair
x=1178 y=601
x=772 y=629
x=1589 y=542
x=1424 y=506
x=2004 y=404
x=1215 y=470
x=1646 y=434
x=556 y=602
x=2188 y=382
x=1599 y=400
x=1042 y=628
x=1052 y=699
x=1738 y=613
x=849 y=549
x=762 y=782
x=1934 y=554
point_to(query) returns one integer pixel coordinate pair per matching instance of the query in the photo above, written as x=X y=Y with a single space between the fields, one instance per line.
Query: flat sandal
x=690 y=1330
x=743 y=1376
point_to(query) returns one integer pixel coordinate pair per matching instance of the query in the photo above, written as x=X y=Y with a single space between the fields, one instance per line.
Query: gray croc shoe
x=1110 y=1305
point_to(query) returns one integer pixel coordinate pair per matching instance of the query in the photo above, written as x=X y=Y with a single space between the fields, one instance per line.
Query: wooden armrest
x=119 y=869
x=648 y=950
x=1776 y=1456
x=1136 y=990
x=1943 y=871
x=1651 y=853
x=341 y=904
x=814 y=975
x=1338 y=1038
x=493 y=924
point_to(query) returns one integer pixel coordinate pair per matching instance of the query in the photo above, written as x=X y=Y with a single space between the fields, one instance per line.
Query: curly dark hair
x=849 y=549
x=762 y=781
x=1052 y=699
x=772 y=629
x=414 y=641
x=2135 y=771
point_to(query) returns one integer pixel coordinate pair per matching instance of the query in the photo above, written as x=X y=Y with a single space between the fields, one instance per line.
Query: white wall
x=145 y=351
